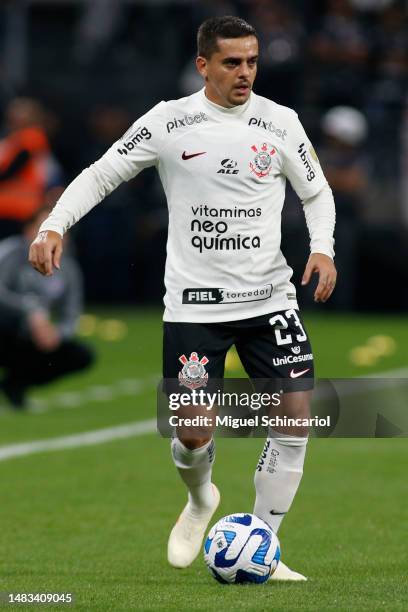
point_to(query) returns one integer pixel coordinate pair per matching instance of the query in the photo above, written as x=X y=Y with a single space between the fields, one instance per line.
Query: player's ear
x=201 y=64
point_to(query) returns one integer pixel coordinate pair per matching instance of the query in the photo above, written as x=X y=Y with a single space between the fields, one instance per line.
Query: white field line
x=87 y=438
x=94 y=393
x=363 y=384
x=397 y=373
x=122 y=388
x=100 y=436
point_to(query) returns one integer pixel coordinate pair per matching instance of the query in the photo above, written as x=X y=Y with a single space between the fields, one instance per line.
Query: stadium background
x=92 y=518
x=98 y=65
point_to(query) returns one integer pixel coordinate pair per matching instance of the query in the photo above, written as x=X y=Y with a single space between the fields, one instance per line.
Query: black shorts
x=271 y=347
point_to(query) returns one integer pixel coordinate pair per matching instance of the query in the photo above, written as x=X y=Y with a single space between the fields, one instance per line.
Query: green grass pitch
x=94 y=520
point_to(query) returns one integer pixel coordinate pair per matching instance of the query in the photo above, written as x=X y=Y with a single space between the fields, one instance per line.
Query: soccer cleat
x=187 y=535
x=283 y=572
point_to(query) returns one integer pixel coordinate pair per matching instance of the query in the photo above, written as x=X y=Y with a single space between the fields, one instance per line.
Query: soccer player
x=223 y=155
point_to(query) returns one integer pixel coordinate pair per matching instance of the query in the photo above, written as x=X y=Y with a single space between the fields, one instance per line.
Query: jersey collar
x=234 y=111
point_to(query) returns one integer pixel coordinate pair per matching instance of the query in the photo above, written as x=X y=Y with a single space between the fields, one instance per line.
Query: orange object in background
x=23 y=193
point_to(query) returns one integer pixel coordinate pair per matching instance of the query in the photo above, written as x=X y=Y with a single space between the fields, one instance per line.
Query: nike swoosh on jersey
x=186 y=156
x=294 y=374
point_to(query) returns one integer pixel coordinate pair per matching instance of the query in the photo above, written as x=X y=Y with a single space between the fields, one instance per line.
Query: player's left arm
x=301 y=166
x=324 y=266
x=320 y=217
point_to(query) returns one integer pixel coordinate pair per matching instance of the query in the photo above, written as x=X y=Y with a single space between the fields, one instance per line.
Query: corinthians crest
x=193 y=374
x=262 y=164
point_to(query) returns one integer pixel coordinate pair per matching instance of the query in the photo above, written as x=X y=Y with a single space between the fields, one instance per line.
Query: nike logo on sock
x=276 y=513
x=185 y=156
x=294 y=374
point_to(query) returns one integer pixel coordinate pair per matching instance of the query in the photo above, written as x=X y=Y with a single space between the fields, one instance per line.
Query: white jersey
x=224 y=173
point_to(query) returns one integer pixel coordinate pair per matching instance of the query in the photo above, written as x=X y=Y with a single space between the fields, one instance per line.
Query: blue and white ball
x=241 y=548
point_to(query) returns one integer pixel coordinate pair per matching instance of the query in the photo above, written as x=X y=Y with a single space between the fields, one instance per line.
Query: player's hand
x=43 y=333
x=45 y=252
x=324 y=266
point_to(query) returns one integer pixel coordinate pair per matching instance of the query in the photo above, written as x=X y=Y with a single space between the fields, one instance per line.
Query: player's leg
x=186 y=345
x=27 y=366
x=13 y=363
x=278 y=489
x=280 y=467
x=195 y=469
x=282 y=340
x=69 y=357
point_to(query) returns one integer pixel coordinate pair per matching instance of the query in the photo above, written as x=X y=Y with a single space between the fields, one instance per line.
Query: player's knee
x=192 y=443
x=293 y=439
x=297 y=405
x=300 y=433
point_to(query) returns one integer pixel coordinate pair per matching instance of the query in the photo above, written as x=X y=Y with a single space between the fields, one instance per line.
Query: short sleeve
x=301 y=164
x=139 y=146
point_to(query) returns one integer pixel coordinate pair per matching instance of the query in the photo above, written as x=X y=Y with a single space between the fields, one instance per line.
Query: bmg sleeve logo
x=133 y=138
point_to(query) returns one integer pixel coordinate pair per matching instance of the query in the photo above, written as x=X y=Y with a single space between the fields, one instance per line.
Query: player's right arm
x=45 y=252
x=137 y=149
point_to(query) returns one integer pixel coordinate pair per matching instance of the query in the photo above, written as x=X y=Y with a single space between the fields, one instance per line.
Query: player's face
x=231 y=70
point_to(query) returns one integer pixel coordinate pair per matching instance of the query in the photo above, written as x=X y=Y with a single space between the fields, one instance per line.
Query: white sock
x=195 y=468
x=277 y=476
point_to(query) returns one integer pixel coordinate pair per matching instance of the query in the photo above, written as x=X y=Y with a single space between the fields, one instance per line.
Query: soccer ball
x=241 y=548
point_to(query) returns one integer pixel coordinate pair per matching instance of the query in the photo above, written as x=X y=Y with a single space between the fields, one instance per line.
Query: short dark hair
x=221 y=27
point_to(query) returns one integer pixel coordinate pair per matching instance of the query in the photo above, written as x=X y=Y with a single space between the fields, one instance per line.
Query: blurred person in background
x=347 y=169
x=38 y=318
x=282 y=40
x=99 y=22
x=403 y=166
x=371 y=5
x=388 y=91
x=27 y=167
x=339 y=51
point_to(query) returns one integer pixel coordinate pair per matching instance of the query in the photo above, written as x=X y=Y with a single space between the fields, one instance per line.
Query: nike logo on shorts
x=185 y=156
x=294 y=374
